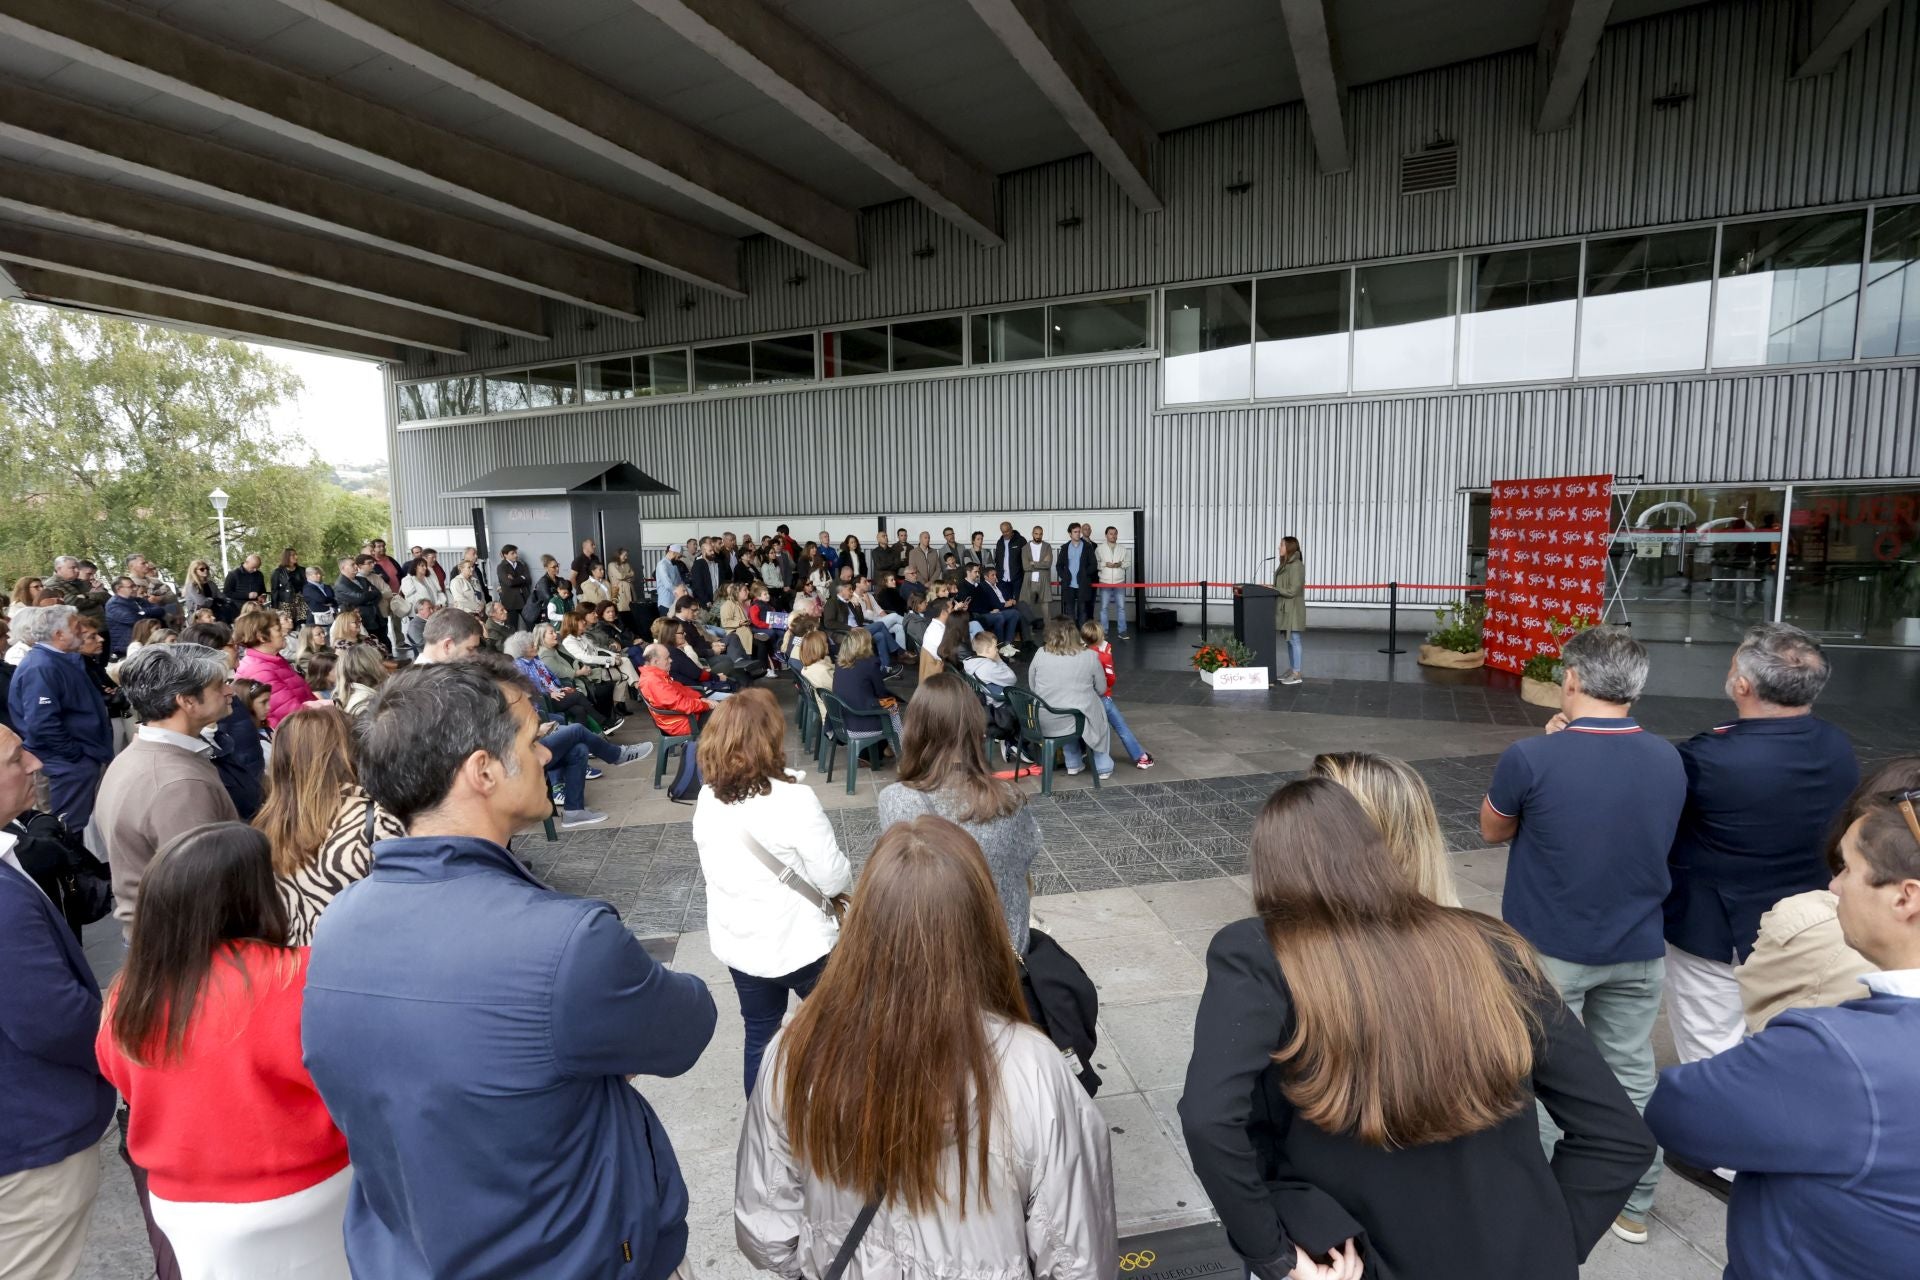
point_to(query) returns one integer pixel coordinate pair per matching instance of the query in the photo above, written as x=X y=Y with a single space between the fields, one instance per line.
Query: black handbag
x=1063 y=1003
x=79 y=884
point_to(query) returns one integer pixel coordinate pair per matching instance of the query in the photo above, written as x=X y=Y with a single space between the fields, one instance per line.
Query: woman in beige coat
x=1290 y=610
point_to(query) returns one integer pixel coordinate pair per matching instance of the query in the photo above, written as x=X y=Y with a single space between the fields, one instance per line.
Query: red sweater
x=1104 y=652
x=235 y=1119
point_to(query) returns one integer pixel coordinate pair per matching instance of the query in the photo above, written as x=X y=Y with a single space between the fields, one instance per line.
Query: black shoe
x=1705 y=1179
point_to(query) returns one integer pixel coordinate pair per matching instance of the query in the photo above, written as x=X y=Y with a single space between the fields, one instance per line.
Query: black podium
x=1253 y=622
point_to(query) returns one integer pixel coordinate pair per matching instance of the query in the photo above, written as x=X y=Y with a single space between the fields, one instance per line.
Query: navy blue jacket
x=471 y=1031
x=1761 y=795
x=1817 y=1113
x=1063 y=568
x=58 y=710
x=124 y=613
x=53 y=1100
x=242 y=765
x=319 y=597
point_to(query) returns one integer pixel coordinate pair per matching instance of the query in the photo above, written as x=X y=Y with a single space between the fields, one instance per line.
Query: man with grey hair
x=67 y=586
x=59 y=713
x=165 y=782
x=1762 y=791
x=1590 y=809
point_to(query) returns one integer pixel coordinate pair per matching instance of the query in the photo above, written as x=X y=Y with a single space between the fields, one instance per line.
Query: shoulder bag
x=842 y=1259
x=1063 y=1003
x=834 y=907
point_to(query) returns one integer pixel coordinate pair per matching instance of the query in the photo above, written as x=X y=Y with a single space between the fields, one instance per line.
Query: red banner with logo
x=1546 y=559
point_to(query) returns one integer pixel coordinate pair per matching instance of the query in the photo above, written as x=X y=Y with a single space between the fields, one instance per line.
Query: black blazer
x=858 y=559
x=1063 y=571
x=838 y=616
x=1487 y=1206
x=515 y=578
x=1006 y=558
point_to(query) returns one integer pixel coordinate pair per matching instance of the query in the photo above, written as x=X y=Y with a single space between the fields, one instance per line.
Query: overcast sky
x=340 y=412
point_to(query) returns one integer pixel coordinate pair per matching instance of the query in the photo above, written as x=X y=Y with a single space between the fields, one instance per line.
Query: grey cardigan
x=1010 y=845
x=1079 y=682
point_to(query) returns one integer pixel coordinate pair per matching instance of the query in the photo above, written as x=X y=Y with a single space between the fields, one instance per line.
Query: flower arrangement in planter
x=1219 y=651
x=1456 y=642
x=1540 y=676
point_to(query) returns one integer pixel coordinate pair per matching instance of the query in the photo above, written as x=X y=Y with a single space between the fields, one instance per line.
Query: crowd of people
x=354 y=1034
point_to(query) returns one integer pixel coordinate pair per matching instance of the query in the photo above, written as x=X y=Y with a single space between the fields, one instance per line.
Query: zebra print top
x=345 y=855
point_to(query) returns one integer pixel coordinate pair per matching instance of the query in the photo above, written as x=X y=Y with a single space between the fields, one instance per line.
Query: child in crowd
x=769 y=627
x=990 y=669
x=257 y=698
x=317 y=668
x=1096 y=639
x=560 y=603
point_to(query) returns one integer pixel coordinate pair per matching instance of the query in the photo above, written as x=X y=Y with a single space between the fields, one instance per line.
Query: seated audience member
x=1816 y=1112
x=261 y=635
x=912 y=1074
x=769 y=627
x=559 y=700
x=816 y=667
x=912 y=587
x=993 y=598
x=672 y=705
x=560 y=602
x=987 y=666
x=943 y=771
x=594 y=661
x=413 y=628
x=571 y=750
x=54 y=1105
x=880 y=621
x=937 y=612
x=608 y=629
x=317 y=670
x=733 y=614
x=689 y=663
x=346 y=630
x=499 y=626
x=1382 y=1055
x=860 y=683
x=598 y=693
x=1095 y=638
x=246 y=1172
x=799 y=627
x=448 y=635
x=844 y=616
x=1761 y=794
x=356 y=677
x=318 y=821
x=478 y=1055
x=1401 y=806
x=256 y=698
x=988 y=610
x=1066 y=675
x=806 y=599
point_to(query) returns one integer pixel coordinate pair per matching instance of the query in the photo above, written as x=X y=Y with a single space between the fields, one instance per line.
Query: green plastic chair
x=1027 y=706
x=835 y=735
x=670 y=742
x=806 y=712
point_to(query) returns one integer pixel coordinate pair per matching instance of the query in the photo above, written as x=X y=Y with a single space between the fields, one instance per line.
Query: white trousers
x=1703 y=1005
x=296 y=1237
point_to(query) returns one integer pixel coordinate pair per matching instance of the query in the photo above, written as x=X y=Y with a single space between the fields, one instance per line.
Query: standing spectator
x=147 y=582
x=421 y=586
x=414 y=628
x=943 y=771
x=584 y=562
x=236 y=738
x=126 y=610
x=1095 y=638
x=261 y=635
x=54 y=1105
x=913 y=1082
x=27 y=593
x=1036 y=575
x=8 y=666
x=471 y=557
x=59 y=712
x=285 y=587
x=1761 y=793
x=356 y=677
x=355 y=591
x=246 y=1173
x=515 y=580
x=1816 y=1112
x=164 y=783
x=318 y=821
x=1590 y=809
x=1007 y=550
x=669 y=576
x=384 y=563
x=246 y=583
x=322 y=606
x=69 y=585
x=1397 y=800
x=1383 y=1055
x=1066 y=675
x=481 y=1050
x=620 y=576
x=773 y=936
x=1290 y=609
x=1076 y=569
x=465 y=590
x=1116 y=566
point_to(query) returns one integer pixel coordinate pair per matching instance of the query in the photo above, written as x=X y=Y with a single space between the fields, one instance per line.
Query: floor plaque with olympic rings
x=1184 y=1253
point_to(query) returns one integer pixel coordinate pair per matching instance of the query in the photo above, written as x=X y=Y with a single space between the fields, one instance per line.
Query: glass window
x=1300 y=328
x=1403 y=325
x=507 y=392
x=1001 y=336
x=1100 y=325
x=1519 y=313
x=1853 y=562
x=666 y=372
x=1788 y=289
x=1890 y=319
x=1645 y=305
x=1696 y=564
x=460 y=398
x=609 y=379
x=929 y=344
x=554 y=385
x=728 y=365
x=787 y=359
x=1208 y=341
x=854 y=353
x=419 y=401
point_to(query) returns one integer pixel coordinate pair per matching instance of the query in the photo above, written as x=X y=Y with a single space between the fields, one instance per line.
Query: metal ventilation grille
x=1434 y=170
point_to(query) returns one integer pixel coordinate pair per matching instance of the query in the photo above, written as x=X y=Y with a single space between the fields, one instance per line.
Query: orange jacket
x=661 y=690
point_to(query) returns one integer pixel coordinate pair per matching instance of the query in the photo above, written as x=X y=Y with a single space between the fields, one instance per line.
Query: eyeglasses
x=1905 y=799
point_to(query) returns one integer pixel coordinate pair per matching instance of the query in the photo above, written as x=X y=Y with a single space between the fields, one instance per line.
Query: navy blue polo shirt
x=1587 y=871
x=1761 y=798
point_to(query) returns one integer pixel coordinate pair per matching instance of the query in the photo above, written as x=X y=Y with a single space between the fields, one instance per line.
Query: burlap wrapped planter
x=1541 y=693
x=1452 y=659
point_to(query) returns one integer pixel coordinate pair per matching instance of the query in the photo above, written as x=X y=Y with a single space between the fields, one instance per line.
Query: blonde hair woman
x=358 y=672
x=347 y=631
x=1397 y=800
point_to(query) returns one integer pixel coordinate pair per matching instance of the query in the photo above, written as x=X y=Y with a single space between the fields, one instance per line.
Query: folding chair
x=670 y=742
x=835 y=734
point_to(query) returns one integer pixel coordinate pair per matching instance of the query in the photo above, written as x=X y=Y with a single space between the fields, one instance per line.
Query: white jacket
x=464 y=595
x=416 y=589
x=1103 y=554
x=754 y=923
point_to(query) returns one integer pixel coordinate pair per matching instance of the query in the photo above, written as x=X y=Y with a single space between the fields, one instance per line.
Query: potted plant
x=1220 y=651
x=1456 y=642
x=1540 y=676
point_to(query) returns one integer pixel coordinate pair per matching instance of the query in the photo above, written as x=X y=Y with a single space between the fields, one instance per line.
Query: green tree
x=118 y=431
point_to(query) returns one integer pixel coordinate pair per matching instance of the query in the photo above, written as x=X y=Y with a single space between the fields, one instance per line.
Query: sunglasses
x=1904 y=801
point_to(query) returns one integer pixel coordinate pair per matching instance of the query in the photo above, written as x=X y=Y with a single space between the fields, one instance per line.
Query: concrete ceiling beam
x=195 y=278
x=292 y=194
x=1568 y=43
x=1832 y=28
x=499 y=67
x=804 y=75
x=149 y=52
x=83 y=293
x=102 y=208
x=1060 y=58
x=1323 y=91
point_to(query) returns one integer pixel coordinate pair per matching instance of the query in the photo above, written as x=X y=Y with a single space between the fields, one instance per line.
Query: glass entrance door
x=1853 y=563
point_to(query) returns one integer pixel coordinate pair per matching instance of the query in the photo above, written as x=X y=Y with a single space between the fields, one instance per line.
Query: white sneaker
x=1106 y=775
x=582 y=818
x=629 y=754
x=1076 y=768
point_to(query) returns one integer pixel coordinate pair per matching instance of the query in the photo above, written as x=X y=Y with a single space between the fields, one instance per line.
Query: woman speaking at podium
x=1290 y=610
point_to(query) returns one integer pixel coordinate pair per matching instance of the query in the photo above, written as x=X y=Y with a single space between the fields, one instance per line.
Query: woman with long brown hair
x=319 y=822
x=751 y=824
x=912 y=1082
x=1386 y=1052
x=943 y=770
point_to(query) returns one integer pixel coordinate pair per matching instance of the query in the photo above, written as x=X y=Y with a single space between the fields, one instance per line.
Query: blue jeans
x=570 y=745
x=1119 y=724
x=1293 y=650
x=1075 y=753
x=763 y=1003
x=1117 y=597
x=883 y=646
x=1004 y=623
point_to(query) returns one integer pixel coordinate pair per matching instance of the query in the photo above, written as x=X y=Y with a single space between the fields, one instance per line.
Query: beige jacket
x=1799 y=960
x=151 y=793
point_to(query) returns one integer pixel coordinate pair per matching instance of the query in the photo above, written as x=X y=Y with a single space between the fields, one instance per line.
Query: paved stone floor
x=1137 y=876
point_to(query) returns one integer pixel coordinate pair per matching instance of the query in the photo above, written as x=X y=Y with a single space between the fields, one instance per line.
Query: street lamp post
x=219 y=499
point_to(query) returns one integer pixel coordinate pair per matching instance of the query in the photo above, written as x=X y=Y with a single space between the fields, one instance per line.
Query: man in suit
x=989 y=606
x=708 y=574
x=1036 y=573
x=1077 y=573
x=515 y=579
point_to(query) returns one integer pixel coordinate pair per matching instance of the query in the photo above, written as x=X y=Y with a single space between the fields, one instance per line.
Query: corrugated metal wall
x=1369 y=485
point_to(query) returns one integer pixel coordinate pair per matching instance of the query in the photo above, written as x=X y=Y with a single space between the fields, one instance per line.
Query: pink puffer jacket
x=290 y=689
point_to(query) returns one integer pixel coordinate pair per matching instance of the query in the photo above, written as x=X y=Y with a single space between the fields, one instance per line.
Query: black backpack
x=79 y=883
